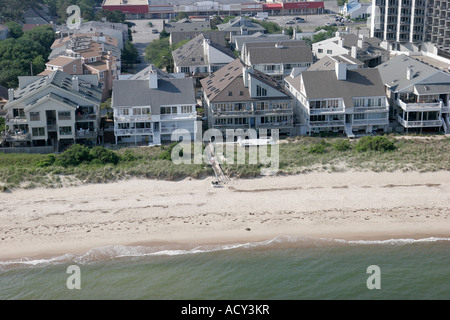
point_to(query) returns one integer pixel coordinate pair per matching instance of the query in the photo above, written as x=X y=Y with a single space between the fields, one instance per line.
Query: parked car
x=298 y=19
x=155 y=31
x=290 y=22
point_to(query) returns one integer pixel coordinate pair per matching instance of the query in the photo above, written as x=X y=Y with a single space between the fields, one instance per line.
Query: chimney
x=361 y=41
x=341 y=42
x=75 y=85
x=354 y=52
x=341 y=70
x=294 y=34
x=10 y=94
x=245 y=76
x=153 y=80
x=409 y=73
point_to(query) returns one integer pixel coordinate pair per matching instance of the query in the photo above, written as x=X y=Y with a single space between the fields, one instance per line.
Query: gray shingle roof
x=186 y=25
x=324 y=84
x=130 y=93
x=393 y=72
x=328 y=63
x=229 y=78
x=64 y=81
x=144 y=74
x=236 y=24
x=193 y=54
x=292 y=51
x=214 y=36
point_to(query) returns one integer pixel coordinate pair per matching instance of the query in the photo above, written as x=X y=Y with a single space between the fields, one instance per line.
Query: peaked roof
x=145 y=73
x=170 y=91
x=193 y=53
x=62 y=80
x=278 y=51
x=218 y=85
x=238 y=22
x=393 y=72
x=328 y=62
x=214 y=36
x=324 y=84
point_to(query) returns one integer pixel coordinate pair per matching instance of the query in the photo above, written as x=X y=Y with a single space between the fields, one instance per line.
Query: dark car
x=298 y=19
x=290 y=22
x=155 y=31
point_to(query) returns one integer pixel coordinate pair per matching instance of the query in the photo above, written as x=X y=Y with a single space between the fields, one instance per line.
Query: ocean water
x=285 y=268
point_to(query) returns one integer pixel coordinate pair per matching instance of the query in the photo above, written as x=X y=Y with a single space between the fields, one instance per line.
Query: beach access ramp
x=220 y=176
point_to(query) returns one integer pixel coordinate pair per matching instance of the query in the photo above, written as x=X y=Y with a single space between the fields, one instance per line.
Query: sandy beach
x=350 y=205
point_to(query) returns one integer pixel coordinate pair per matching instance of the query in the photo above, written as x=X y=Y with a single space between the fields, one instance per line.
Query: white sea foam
x=120 y=251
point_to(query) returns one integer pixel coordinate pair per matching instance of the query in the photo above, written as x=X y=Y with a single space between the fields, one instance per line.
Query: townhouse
x=340 y=100
x=151 y=106
x=419 y=94
x=239 y=97
x=277 y=58
x=55 y=110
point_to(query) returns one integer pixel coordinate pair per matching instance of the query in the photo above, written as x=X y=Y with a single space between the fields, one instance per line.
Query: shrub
x=319 y=147
x=128 y=155
x=73 y=156
x=378 y=143
x=47 y=161
x=342 y=145
x=167 y=154
x=103 y=156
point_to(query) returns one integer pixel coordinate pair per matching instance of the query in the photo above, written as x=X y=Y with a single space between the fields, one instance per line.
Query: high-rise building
x=403 y=22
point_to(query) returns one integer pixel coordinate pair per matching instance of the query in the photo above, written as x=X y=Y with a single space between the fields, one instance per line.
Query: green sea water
x=279 y=269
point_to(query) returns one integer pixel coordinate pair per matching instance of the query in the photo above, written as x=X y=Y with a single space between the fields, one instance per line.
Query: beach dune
x=350 y=205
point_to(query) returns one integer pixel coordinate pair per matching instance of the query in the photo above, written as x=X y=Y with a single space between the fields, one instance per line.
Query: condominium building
x=149 y=109
x=402 y=23
x=55 y=110
x=239 y=97
x=419 y=94
x=340 y=100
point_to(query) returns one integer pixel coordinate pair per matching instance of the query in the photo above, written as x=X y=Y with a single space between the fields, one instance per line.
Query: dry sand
x=350 y=205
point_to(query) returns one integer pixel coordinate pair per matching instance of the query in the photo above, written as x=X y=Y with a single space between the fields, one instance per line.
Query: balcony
x=16 y=120
x=326 y=111
x=433 y=106
x=86 y=117
x=275 y=125
x=419 y=124
x=183 y=116
x=86 y=134
x=371 y=109
x=16 y=137
x=133 y=118
x=133 y=132
x=370 y=122
x=333 y=123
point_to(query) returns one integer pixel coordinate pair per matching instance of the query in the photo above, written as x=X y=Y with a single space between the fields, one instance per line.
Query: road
x=142 y=36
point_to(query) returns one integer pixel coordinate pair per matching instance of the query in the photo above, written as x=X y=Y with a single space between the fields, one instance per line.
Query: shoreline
x=354 y=205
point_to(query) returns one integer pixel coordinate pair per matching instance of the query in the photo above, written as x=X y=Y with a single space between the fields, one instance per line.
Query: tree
x=129 y=53
x=164 y=34
x=157 y=50
x=15 y=29
x=115 y=16
x=41 y=34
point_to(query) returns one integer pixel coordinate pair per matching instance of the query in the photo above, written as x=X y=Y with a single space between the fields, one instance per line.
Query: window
x=65 y=131
x=18 y=113
x=137 y=112
x=260 y=91
x=74 y=68
x=38 y=132
x=358 y=116
x=186 y=109
x=34 y=116
x=125 y=112
x=320 y=50
x=64 y=115
x=101 y=75
x=329 y=51
x=185 y=69
x=262 y=106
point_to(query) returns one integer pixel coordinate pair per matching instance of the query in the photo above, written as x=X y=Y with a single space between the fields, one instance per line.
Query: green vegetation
x=17 y=56
x=129 y=53
x=340 y=3
x=159 y=53
x=80 y=164
x=378 y=143
x=270 y=26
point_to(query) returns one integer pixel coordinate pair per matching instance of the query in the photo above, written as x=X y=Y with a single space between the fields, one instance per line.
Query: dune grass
x=299 y=155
